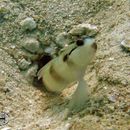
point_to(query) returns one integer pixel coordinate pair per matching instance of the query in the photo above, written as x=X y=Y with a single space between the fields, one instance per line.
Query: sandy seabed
x=108 y=76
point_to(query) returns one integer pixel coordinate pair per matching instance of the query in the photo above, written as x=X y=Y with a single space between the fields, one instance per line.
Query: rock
x=24 y=64
x=84 y=29
x=126 y=43
x=3 y=12
x=112 y=98
x=51 y=50
x=31 y=72
x=31 y=45
x=44 y=38
x=30 y=56
x=28 y=24
x=63 y=39
x=111 y=59
x=26 y=55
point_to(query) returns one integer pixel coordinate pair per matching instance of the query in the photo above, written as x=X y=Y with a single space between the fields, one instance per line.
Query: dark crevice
x=43 y=61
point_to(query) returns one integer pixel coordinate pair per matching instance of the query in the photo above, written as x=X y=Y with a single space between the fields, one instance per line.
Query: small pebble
x=24 y=64
x=112 y=98
x=111 y=58
x=28 y=24
x=31 y=72
x=26 y=55
x=13 y=47
x=63 y=39
x=2 y=72
x=105 y=88
x=126 y=43
x=84 y=29
x=51 y=50
x=31 y=45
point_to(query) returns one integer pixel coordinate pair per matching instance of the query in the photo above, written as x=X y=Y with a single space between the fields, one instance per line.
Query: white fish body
x=69 y=67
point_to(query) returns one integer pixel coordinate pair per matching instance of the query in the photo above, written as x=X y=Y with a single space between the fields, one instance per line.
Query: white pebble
x=2 y=72
x=112 y=98
x=105 y=88
x=111 y=58
x=13 y=47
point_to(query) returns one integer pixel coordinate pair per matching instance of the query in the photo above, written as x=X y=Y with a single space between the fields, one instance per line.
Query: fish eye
x=79 y=42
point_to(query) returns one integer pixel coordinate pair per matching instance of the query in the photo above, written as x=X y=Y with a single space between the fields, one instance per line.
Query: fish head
x=83 y=52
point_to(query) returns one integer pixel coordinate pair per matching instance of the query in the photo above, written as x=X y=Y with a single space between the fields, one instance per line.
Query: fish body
x=69 y=67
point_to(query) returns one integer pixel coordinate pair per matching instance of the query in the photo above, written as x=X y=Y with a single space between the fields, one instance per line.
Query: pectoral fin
x=40 y=73
x=79 y=97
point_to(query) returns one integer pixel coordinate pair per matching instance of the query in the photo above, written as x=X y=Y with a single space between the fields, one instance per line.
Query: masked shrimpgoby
x=70 y=67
